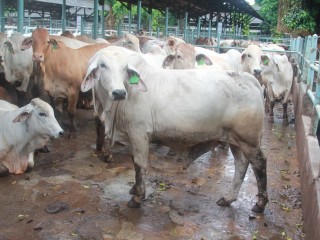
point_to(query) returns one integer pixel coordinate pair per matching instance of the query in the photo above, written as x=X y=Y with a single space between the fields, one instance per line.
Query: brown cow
x=63 y=69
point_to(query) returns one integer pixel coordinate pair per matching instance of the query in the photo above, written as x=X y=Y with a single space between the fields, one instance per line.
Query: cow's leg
x=258 y=162
x=285 y=112
x=58 y=107
x=241 y=165
x=21 y=98
x=30 y=162
x=102 y=145
x=100 y=134
x=271 y=101
x=140 y=152
x=72 y=105
x=4 y=171
x=285 y=107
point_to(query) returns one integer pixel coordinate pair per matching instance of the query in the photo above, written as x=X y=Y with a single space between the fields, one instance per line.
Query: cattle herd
x=142 y=90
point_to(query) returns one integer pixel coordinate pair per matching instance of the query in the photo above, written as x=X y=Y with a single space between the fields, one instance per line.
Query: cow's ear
x=203 y=59
x=8 y=44
x=135 y=80
x=53 y=43
x=22 y=117
x=27 y=43
x=243 y=56
x=168 y=61
x=93 y=74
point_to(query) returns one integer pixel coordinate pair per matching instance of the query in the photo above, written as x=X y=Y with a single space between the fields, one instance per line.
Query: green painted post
x=166 y=21
x=96 y=19
x=2 y=22
x=199 y=27
x=103 y=26
x=63 y=15
x=185 y=26
x=312 y=59
x=210 y=26
x=150 y=21
x=20 y=15
x=139 y=15
x=306 y=57
x=130 y=17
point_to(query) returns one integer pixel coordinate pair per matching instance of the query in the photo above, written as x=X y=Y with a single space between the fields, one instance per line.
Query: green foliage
x=299 y=20
x=269 y=11
x=158 y=20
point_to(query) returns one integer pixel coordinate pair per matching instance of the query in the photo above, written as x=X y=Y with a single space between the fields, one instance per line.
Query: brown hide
x=63 y=68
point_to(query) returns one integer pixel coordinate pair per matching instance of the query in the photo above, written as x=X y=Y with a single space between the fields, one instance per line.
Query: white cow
x=17 y=64
x=22 y=131
x=182 y=108
x=277 y=76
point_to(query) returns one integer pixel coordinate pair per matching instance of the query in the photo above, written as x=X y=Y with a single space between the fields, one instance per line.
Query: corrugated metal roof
x=73 y=3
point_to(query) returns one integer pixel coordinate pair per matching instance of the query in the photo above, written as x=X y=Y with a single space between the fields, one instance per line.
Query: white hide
x=181 y=108
x=250 y=60
x=23 y=130
x=17 y=64
x=277 y=75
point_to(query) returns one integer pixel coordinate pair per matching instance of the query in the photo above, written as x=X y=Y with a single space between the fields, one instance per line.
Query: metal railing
x=306 y=50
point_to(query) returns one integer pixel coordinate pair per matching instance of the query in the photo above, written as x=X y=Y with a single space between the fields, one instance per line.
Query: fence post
x=306 y=54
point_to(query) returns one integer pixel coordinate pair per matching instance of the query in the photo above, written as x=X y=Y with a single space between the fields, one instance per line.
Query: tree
x=289 y=16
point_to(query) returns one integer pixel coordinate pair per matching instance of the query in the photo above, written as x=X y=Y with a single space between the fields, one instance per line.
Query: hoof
x=133 y=190
x=223 y=203
x=45 y=149
x=133 y=204
x=256 y=208
x=108 y=158
x=4 y=171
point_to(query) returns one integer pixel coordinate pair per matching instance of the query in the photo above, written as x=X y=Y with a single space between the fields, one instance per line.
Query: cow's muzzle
x=119 y=94
x=257 y=72
x=17 y=83
x=38 y=57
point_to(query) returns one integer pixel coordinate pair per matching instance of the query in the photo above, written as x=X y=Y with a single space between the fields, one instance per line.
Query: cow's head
x=40 y=120
x=109 y=69
x=131 y=42
x=250 y=60
x=41 y=43
x=184 y=57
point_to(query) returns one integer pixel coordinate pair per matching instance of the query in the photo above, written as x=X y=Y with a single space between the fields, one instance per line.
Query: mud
x=87 y=198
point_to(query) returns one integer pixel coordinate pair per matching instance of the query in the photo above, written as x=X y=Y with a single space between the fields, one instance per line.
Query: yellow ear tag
x=134 y=79
x=201 y=62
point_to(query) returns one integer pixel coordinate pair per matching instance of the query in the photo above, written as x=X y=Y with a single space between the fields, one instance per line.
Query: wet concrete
x=87 y=198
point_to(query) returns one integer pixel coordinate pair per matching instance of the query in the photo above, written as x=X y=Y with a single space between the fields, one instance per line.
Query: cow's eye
x=103 y=65
x=249 y=55
x=42 y=114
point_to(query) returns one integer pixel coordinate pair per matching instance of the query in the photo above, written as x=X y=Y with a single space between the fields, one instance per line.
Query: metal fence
x=308 y=59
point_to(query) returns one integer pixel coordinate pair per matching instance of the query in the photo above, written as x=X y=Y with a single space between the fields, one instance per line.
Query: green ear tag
x=201 y=62
x=54 y=46
x=265 y=61
x=134 y=79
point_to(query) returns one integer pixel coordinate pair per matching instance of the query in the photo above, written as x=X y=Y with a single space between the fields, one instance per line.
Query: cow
x=18 y=66
x=277 y=76
x=206 y=41
x=189 y=109
x=22 y=131
x=63 y=69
